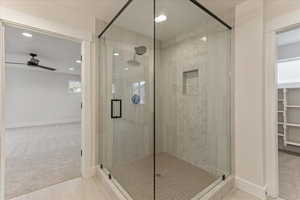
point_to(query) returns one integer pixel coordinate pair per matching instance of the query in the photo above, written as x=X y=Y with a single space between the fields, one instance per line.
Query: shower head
x=133 y=62
x=141 y=50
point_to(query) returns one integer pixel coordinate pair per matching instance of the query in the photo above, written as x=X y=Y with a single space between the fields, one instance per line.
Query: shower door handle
x=116 y=113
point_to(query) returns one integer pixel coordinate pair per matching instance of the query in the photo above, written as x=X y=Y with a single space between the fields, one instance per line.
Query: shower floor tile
x=176 y=179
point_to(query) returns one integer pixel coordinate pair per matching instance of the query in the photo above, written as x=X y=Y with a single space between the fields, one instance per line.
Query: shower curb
x=216 y=193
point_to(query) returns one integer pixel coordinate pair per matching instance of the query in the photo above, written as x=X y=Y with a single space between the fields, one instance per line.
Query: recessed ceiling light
x=126 y=68
x=71 y=68
x=27 y=34
x=78 y=61
x=116 y=54
x=204 y=39
x=160 y=18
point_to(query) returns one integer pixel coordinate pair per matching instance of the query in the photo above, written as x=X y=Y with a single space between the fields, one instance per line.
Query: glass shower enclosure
x=166 y=120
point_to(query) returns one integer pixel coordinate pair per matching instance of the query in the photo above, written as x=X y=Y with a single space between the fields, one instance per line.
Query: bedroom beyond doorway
x=43 y=110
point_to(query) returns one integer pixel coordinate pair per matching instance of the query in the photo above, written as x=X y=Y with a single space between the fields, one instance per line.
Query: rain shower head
x=140 y=50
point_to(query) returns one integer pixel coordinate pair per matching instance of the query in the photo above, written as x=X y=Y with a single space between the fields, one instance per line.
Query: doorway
x=288 y=113
x=42 y=110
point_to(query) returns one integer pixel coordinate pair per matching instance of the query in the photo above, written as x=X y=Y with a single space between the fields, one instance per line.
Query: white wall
x=277 y=8
x=39 y=97
x=252 y=17
x=249 y=97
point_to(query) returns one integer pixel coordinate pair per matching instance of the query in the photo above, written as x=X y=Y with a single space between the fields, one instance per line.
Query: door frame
x=88 y=147
x=272 y=28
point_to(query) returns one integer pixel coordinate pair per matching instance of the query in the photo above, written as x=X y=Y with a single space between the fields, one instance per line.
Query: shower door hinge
x=101 y=166
x=223 y=177
x=109 y=176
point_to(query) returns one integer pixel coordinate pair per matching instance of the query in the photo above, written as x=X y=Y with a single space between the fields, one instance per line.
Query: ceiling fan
x=33 y=62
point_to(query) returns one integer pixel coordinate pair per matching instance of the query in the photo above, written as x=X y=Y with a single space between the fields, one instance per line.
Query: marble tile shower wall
x=193 y=90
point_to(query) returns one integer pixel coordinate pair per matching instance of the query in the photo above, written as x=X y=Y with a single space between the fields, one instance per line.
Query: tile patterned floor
x=239 y=195
x=95 y=189
x=76 y=189
x=41 y=156
x=176 y=179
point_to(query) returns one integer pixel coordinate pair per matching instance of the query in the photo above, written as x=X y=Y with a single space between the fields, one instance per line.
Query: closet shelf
x=293 y=124
x=293 y=143
x=284 y=131
x=293 y=106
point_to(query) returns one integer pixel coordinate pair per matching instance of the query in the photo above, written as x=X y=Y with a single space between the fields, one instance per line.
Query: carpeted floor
x=38 y=157
x=175 y=178
x=289 y=176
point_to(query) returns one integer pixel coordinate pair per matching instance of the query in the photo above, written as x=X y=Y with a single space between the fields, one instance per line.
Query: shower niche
x=172 y=141
x=191 y=82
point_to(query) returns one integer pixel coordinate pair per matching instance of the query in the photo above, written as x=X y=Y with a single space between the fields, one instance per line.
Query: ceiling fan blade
x=16 y=63
x=48 y=68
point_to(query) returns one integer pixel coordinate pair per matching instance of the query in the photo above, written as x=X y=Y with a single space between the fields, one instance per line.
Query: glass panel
x=193 y=101
x=128 y=142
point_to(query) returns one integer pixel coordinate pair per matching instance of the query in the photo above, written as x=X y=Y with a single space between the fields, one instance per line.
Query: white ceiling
x=52 y=51
x=222 y=8
x=183 y=16
x=288 y=37
x=78 y=13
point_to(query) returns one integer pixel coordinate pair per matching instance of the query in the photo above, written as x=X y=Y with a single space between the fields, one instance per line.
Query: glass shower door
x=128 y=61
x=131 y=109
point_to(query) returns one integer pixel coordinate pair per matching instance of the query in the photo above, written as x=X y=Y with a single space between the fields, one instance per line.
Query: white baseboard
x=109 y=184
x=251 y=188
x=41 y=123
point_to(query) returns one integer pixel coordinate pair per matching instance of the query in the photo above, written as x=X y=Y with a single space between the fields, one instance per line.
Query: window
x=289 y=71
x=74 y=87
x=138 y=89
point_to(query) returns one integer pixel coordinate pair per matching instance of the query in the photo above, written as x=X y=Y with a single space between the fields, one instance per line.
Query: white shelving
x=292 y=106
x=294 y=125
x=283 y=111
